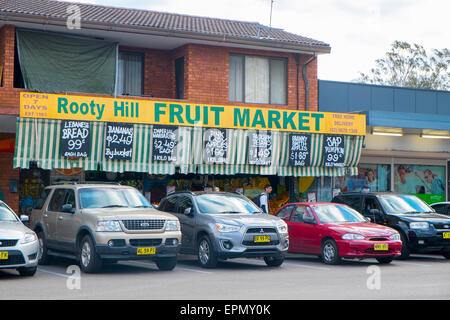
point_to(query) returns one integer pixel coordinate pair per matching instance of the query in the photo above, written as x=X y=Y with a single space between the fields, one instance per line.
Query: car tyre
x=274 y=261
x=385 y=260
x=90 y=262
x=43 y=256
x=406 y=251
x=330 y=252
x=166 y=264
x=206 y=255
x=27 y=272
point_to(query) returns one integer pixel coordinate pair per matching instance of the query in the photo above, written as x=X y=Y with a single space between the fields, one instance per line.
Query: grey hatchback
x=220 y=225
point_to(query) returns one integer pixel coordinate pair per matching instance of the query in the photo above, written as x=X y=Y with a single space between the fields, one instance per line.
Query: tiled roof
x=157 y=21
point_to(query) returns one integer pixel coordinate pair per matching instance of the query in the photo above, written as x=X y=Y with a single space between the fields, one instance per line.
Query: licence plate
x=3 y=255
x=146 y=251
x=446 y=235
x=381 y=247
x=261 y=239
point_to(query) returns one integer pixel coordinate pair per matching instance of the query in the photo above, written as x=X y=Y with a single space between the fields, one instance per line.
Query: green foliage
x=407 y=65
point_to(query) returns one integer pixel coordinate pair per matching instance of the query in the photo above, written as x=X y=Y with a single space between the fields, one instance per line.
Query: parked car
x=19 y=245
x=220 y=225
x=336 y=231
x=421 y=229
x=100 y=223
x=442 y=207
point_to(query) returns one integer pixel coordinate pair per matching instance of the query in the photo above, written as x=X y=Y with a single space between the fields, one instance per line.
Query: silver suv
x=101 y=223
x=220 y=225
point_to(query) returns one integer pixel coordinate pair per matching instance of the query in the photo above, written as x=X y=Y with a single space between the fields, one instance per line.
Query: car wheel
x=43 y=257
x=330 y=252
x=166 y=264
x=90 y=262
x=405 y=247
x=385 y=260
x=274 y=261
x=206 y=255
x=27 y=272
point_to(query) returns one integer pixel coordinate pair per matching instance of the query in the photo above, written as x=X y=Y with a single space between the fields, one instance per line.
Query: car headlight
x=173 y=225
x=353 y=236
x=29 y=237
x=395 y=236
x=419 y=225
x=227 y=227
x=282 y=227
x=108 y=226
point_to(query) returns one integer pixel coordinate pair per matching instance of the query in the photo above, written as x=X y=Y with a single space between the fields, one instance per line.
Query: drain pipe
x=305 y=80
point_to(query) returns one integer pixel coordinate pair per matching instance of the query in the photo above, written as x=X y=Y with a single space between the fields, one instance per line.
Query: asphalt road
x=299 y=278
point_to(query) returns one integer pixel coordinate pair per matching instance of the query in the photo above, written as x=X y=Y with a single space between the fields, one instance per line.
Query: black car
x=421 y=229
x=442 y=207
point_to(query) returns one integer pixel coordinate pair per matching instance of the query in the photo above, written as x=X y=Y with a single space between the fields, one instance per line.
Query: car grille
x=150 y=224
x=7 y=243
x=145 y=242
x=14 y=258
x=373 y=251
x=261 y=230
x=259 y=244
x=378 y=239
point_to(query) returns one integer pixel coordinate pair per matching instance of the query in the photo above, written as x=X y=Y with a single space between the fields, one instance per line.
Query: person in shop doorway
x=264 y=198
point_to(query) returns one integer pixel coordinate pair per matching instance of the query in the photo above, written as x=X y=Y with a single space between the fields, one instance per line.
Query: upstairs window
x=254 y=79
x=130 y=74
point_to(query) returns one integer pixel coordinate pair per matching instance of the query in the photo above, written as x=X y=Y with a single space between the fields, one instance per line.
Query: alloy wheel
x=203 y=252
x=86 y=254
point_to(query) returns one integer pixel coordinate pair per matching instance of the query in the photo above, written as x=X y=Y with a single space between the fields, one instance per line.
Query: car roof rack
x=84 y=182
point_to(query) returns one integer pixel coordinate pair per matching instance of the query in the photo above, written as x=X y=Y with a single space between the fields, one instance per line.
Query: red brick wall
x=8 y=173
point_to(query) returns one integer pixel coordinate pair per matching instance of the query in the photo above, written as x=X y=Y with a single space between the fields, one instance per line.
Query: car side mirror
x=24 y=218
x=188 y=211
x=67 y=208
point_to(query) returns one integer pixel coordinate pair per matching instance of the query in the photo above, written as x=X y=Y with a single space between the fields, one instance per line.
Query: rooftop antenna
x=271 y=6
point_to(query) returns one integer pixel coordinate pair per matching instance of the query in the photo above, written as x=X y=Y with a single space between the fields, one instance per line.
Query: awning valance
x=38 y=140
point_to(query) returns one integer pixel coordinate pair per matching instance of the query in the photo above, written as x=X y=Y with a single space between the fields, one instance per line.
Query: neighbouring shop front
x=162 y=147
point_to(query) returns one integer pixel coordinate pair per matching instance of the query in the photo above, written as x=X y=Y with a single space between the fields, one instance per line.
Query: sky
x=358 y=31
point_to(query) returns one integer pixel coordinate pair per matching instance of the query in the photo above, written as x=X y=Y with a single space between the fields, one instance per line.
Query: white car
x=19 y=246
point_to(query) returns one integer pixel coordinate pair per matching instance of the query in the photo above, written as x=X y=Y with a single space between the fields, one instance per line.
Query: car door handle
x=60 y=218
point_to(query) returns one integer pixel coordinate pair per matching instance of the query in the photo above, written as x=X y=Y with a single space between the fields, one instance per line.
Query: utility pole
x=270 y=21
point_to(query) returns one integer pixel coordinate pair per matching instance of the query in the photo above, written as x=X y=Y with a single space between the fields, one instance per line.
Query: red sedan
x=335 y=231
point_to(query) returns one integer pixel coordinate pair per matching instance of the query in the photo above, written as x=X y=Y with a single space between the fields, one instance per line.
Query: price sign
x=333 y=150
x=299 y=150
x=165 y=141
x=215 y=146
x=75 y=139
x=260 y=148
x=119 y=141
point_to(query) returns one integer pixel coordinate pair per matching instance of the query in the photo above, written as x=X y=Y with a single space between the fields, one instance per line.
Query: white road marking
x=53 y=273
x=177 y=267
x=305 y=266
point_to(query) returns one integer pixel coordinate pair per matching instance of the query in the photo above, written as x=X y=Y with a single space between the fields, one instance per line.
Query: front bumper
x=423 y=242
x=128 y=252
x=20 y=255
x=363 y=249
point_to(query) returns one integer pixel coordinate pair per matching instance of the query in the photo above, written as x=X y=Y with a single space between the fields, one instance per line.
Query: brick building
x=162 y=59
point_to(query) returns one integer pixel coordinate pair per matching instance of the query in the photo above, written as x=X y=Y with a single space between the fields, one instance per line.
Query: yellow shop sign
x=89 y=108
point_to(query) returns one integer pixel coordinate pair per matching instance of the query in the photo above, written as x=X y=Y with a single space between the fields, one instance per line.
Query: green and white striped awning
x=38 y=140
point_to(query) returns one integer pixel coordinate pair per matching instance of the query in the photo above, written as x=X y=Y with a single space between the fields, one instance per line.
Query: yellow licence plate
x=3 y=255
x=446 y=235
x=261 y=239
x=146 y=251
x=381 y=247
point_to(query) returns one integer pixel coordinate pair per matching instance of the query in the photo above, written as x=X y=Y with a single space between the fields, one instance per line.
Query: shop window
x=130 y=73
x=371 y=177
x=254 y=79
x=179 y=78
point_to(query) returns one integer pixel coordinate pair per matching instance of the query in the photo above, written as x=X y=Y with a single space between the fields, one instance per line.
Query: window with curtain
x=255 y=79
x=130 y=73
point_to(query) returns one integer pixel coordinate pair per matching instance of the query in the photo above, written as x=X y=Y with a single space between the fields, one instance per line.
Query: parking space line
x=176 y=267
x=414 y=264
x=53 y=273
x=306 y=266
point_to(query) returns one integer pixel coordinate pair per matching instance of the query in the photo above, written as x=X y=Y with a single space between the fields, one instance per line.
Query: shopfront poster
x=215 y=146
x=299 y=150
x=334 y=150
x=260 y=148
x=119 y=141
x=164 y=143
x=75 y=139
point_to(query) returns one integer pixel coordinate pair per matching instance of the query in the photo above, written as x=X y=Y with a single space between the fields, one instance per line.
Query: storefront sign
x=299 y=150
x=260 y=148
x=165 y=140
x=119 y=141
x=215 y=146
x=334 y=150
x=88 y=108
x=75 y=139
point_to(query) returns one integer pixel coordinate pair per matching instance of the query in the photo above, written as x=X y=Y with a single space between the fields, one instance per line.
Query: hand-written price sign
x=119 y=141
x=299 y=150
x=215 y=146
x=75 y=139
x=165 y=141
x=260 y=148
x=333 y=150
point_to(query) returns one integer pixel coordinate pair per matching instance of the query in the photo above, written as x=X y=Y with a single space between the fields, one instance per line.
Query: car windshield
x=6 y=214
x=226 y=203
x=337 y=214
x=112 y=198
x=395 y=204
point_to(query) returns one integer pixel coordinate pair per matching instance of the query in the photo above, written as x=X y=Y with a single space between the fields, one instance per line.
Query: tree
x=407 y=65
